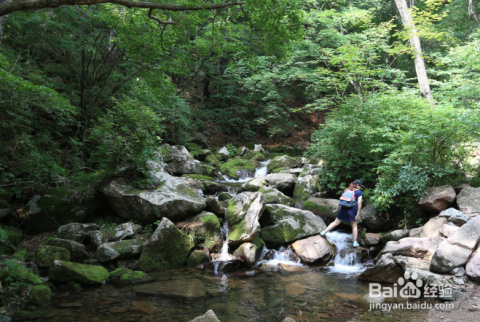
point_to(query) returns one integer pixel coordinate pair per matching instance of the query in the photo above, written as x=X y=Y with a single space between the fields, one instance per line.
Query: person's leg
x=334 y=224
x=354 y=232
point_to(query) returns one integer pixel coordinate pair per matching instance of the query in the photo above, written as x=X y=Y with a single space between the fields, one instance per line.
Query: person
x=349 y=214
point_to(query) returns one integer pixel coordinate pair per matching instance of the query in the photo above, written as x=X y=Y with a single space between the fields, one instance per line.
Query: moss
x=208 y=170
x=278 y=170
x=119 y=271
x=159 y=187
x=196 y=258
x=258 y=157
x=198 y=177
x=4 y=203
x=29 y=315
x=21 y=253
x=46 y=255
x=89 y=274
x=323 y=211
x=250 y=145
x=191 y=147
x=40 y=296
x=234 y=165
x=258 y=242
x=133 y=276
x=74 y=287
x=475 y=182
x=14 y=234
x=13 y=271
x=205 y=230
x=224 y=196
x=282 y=162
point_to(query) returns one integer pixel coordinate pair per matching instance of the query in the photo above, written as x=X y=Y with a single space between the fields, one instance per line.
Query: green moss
x=258 y=242
x=14 y=235
x=282 y=162
x=13 y=271
x=208 y=170
x=224 y=196
x=196 y=258
x=258 y=157
x=232 y=166
x=278 y=170
x=119 y=271
x=159 y=187
x=46 y=255
x=250 y=145
x=40 y=296
x=29 y=315
x=198 y=177
x=133 y=276
x=475 y=182
x=89 y=274
x=192 y=147
x=21 y=253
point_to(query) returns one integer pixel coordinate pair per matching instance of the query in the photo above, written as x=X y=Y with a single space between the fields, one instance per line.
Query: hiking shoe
x=322 y=234
x=355 y=244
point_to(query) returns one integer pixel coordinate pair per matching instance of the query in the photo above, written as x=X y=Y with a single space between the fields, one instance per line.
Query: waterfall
x=347 y=258
x=224 y=255
x=274 y=257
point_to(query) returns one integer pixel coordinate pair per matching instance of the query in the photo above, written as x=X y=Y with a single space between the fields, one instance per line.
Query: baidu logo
x=402 y=288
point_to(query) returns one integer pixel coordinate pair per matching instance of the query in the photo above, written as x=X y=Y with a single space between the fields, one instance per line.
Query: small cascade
x=224 y=255
x=282 y=258
x=246 y=175
x=347 y=259
x=262 y=169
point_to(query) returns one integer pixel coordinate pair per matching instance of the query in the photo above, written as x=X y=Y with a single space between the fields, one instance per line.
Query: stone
x=124 y=231
x=468 y=235
x=448 y=257
x=322 y=207
x=315 y=249
x=281 y=181
x=249 y=252
x=46 y=255
x=77 y=251
x=243 y=214
x=239 y=168
x=213 y=205
x=40 y=296
x=143 y=307
x=17 y=272
x=205 y=230
x=172 y=199
x=14 y=236
x=385 y=270
x=421 y=267
x=472 y=268
x=224 y=151
x=123 y=275
x=63 y=271
x=274 y=196
x=304 y=188
x=372 y=239
x=423 y=247
x=468 y=201
x=437 y=199
x=415 y=232
x=455 y=216
x=223 y=196
x=167 y=247
x=119 y=250
x=283 y=161
x=179 y=161
x=395 y=235
x=76 y=231
x=96 y=237
x=458 y=271
x=447 y=229
x=197 y=257
x=282 y=224
x=212 y=187
x=373 y=219
x=254 y=185
x=207 y=317
x=432 y=227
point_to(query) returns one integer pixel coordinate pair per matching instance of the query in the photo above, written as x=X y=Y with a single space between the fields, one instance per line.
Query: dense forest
x=87 y=90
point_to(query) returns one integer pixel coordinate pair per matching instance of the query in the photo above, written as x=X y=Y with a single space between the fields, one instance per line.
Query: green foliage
x=232 y=149
x=150 y=228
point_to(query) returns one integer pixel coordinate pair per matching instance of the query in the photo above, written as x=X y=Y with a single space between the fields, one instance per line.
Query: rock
x=126 y=276
x=74 y=287
x=423 y=248
x=248 y=252
x=243 y=214
x=205 y=230
x=179 y=161
x=432 y=227
x=241 y=151
x=29 y=315
x=304 y=188
x=63 y=272
x=46 y=255
x=207 y=317
x=448 y=256
x=283 y=161
x=373 y=219
x=119 y=250
x=224 y=151
x=472 y=268
x=197 y=257
x=274 y=196
x=124 y=230
x=458 y=271
x=57 y=207
x=259 y=148
x=455 y=216
x=314 y=249
x=322 y=207
x=76 y=231
x=282 y=224
x=97 y=237
x=385 y=270
x=223 y=266
x=212 y=187
x=372 y=239
x=468 y=201
x=414 y=265
x=76 y=250
x=437 y=199
x=238 y=168
x=288 y=319
x=447 y=229
x=254 y=185
x=167 y=247
x=172 y=199
x=281 y=181
x=213 y=205
x=40 y=296
x=13 y=238
x=394 y=235
x=223 y=196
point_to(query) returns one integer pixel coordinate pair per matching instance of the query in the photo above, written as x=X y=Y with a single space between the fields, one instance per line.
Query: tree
x=417 y=50
x=472 y=12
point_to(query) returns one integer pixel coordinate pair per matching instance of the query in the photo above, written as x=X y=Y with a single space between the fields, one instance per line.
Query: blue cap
x=359 y=182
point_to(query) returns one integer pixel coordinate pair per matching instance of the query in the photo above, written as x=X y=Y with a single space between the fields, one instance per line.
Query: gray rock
x=415 y=232
x=282 y=224
x=395 y=235
x=385 y=270
x=124 y=230
x=468 y=201
x=224 y=151
x=274 y=196
x=205 y=230
x=458 y=271
x=179 y=161
x=248 y=252
x=432 y=227
x=468 y=235
x=304 y=188
x=447 y=229
x=423 y=248
x=119 y=250
x=448 y=256
x=212 y=187
x=243 y=214
x=207 y=317
x=421 y=267
x=283 y=161
x=97 y=237
x=372 y=239
x=213 y=205
x=315 y=249
x=281 y=181
x=473 y=267
x=77 y=250
x=437 y=199
x=455 y=216
x=259 y=148
x=254 y=185
x=372 y=218
x=46 y=255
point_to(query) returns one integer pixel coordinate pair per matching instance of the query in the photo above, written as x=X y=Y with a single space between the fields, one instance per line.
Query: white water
x=347 y=259
x=224 y=255
x=244 y=175
x=280 y=256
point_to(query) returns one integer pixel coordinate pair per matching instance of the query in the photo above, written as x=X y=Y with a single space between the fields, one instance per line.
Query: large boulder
x=281 y=181
x=77 y=251
x=123 y=231
x=456 y=250
x=473 y=267
x=205 y=230
x=447 y=229
x=57 y=207
x=249 y=252
x=213 y=205
x=172 y=199
x=385 y=270
x=63 y=271
x=413 y=265
x=40 y=296
x=179 y=161
x=243 y=214
x=212 y=187
x=253 y=185
x=437 y=199
x=322 y=207
x=282 y=224
x=468 y=201
x=372 y=239
x=455 y=216
x=274 y=196
x=76 y=231
x=119 y=250
x=45 y=256
x=373 y=219
x=315 y=249
x=167 y=247
x=238 y=167
x=432 y=227
x=283 y=161
x=394 y=235
x=13 y=236
x=423 y=248
x=304 y=188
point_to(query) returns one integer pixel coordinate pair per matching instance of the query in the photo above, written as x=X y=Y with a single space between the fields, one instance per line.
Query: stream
x=279 y=285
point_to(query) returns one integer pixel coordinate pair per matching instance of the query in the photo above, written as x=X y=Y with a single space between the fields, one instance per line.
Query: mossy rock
x=276 y=197
x=46 y=255
x=250 y=145
x=279 y=170
x=258 y=157
x=192 y=147
x=208 y=170
x=14 y=234
x=258 y=242
x=133 y=277
x=13 y=270
x=198 y=177
x=196 y=258
x=320 y=207
x=222 y=196
x=233 y=166
x=40 y=296
x=283 y=162
x=64 y=271
x=213 y=160
x=205 y=230
x=119 y=271
x=250 y=155
x=475 y=182
x=29 y=315
x=21 y=253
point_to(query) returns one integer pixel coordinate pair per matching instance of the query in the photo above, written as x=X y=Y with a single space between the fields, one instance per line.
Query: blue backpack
x=347 y=199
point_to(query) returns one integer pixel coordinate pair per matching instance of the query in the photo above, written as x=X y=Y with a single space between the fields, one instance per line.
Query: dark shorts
x=347 y=214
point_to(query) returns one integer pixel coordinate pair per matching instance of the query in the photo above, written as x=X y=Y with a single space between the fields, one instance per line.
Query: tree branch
x=10 y=6
x=472 y=13
x=160 y=21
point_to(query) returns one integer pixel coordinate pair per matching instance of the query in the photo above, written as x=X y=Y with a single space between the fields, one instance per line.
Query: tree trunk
x=417 y=50
x=472 y=12
x=2 y=22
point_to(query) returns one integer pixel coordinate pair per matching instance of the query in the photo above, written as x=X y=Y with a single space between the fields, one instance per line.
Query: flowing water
x=278 y=285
